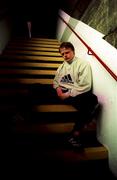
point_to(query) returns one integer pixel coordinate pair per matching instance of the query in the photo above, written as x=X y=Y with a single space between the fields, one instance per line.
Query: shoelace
x=74 y=142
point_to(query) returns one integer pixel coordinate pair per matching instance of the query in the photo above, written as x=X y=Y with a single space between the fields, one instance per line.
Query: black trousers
x=85 y=103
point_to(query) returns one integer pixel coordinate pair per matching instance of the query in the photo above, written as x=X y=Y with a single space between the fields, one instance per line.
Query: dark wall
x=102 y=16
x=42 y=14
x=75 y=8
x=99 y=14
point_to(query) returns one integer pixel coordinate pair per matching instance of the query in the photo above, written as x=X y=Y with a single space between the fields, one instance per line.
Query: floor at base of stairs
x=29 y=156
x=43 y=167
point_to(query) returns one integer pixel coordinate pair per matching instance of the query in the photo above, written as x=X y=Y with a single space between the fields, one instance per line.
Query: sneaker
x=75 y=143
x=18 y=117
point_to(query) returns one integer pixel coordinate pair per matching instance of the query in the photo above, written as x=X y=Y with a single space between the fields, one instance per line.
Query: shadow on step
x=48 y=157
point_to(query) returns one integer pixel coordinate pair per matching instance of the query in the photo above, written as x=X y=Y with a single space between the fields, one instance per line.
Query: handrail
x=90 y=51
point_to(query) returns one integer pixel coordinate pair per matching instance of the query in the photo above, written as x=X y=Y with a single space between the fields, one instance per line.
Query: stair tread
x=7 y=64
x=34 y=40
x=28 y=44
x=49 y=128
x=21 y=52
x=26 y=71
x=31 y=58
x=50 y=49
x=89 y=153
x=57 y=147
x=54 y=108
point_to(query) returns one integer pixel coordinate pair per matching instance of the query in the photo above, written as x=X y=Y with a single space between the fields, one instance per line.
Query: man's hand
x=62 y=95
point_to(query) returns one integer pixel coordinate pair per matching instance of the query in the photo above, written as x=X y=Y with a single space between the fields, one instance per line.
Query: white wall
x=104 y=86
x=60 y=25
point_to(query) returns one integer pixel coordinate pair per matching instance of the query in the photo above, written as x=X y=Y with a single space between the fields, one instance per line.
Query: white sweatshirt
x=76 y=76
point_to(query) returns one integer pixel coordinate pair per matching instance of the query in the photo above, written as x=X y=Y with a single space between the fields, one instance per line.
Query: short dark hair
x=66 y=45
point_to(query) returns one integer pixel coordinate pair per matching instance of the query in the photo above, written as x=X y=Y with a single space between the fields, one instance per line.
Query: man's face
x=67 y=54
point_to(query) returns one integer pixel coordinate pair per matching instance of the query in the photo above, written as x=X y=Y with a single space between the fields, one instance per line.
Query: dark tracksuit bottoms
x=84 y=103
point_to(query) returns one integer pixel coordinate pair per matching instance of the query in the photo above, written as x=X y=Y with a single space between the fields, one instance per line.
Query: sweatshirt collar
x=70 y=62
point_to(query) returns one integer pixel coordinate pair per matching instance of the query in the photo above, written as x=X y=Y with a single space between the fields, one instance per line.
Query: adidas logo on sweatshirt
x=66 y=79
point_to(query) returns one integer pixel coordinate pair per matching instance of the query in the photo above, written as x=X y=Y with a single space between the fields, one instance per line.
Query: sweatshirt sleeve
x=84 y=80
x=56 y=78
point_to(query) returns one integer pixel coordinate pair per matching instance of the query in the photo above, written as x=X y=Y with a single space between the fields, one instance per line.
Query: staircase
x=42 y=139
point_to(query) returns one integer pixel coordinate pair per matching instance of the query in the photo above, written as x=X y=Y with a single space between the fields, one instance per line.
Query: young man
x=73 y=84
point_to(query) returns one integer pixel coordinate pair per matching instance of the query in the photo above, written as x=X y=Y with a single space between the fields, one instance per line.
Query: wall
x=5 y=32
x=104 y=86
x=102 y=16
x=98 y=14
x=5 y=25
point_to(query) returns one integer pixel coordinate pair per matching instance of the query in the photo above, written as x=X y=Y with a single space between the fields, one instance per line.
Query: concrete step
x=31 y=52
x=28 y=58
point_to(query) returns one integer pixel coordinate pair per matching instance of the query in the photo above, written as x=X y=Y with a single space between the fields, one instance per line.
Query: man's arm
x=84 y=81
x=62 y=95
x=56 y=85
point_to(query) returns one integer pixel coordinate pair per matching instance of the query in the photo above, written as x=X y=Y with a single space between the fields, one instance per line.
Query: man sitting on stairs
x=72 y=84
